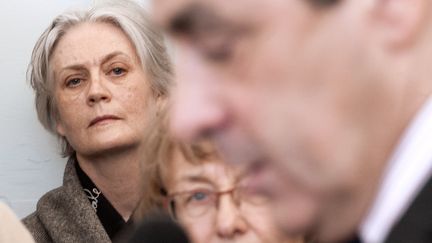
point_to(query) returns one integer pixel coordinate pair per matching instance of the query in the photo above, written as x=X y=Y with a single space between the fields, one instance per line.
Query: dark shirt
x=111 y=220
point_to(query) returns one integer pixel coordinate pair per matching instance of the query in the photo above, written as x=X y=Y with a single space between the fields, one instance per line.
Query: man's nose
x=197 y=109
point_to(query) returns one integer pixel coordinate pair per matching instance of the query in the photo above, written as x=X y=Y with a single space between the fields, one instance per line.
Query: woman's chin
x=108 y=146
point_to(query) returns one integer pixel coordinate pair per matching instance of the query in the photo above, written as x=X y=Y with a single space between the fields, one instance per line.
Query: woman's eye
x=73 y=82
x=253 y=197
x=118 y=71
x=198 y=197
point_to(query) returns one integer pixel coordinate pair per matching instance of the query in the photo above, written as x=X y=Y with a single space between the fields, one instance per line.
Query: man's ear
x=400 y=21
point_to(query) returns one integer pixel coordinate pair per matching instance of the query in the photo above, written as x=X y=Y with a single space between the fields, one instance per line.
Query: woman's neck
x=117 y=175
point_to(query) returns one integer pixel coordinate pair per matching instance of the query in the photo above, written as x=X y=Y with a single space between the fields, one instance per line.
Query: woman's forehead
x=213 y=171
x=90 y=42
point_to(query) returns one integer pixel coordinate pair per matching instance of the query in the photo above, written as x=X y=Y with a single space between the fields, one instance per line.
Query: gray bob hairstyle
x=128 y=16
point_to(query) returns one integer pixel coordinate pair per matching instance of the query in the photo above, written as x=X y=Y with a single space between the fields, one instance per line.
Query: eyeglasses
x=199 y=202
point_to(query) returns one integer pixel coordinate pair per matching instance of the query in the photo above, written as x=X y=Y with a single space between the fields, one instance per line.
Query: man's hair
x=126 y=15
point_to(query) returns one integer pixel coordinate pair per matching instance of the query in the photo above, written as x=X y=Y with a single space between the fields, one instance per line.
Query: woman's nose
x=230 y=222
x=98 y=91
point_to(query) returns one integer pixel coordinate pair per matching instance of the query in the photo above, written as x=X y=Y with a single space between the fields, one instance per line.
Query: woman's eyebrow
x=113 y=55
x=196 y=178
x=104 y=59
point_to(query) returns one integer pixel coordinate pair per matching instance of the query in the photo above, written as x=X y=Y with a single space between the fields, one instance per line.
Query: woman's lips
x=100 y=119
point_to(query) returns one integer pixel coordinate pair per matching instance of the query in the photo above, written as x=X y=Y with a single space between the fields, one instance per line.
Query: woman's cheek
x=201 y=231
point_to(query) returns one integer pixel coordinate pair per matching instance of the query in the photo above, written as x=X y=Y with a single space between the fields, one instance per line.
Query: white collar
x=407 y=172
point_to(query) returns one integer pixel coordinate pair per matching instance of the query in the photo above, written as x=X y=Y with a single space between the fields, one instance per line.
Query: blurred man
x=326 y=101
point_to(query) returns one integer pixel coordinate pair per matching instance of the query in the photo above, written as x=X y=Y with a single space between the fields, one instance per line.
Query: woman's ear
x=400 y=21
x=60 y=128
x=161 y=104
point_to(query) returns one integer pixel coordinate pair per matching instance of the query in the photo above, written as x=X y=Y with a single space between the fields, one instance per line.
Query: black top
x=111 y=220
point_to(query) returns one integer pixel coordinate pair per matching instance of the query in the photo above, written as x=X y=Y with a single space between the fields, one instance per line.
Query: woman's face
x=231 y=220
x=101 y=90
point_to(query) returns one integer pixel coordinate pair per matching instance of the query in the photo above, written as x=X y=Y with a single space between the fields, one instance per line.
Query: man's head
x=313 y=95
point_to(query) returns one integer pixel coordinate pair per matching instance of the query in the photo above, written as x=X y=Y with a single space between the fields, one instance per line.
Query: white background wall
x=30 y=164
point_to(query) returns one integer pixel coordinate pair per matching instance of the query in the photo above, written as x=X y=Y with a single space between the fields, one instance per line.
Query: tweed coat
x=65 y=214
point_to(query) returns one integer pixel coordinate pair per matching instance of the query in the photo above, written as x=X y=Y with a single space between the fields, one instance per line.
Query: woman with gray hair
x=97 y=75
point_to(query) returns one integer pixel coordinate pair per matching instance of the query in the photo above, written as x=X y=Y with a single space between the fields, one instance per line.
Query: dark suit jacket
x=415 y=226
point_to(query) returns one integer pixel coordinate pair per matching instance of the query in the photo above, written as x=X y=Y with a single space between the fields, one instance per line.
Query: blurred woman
x=97 y=75
x=207 y=196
